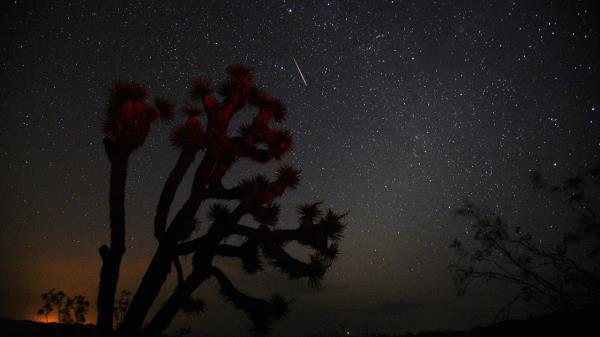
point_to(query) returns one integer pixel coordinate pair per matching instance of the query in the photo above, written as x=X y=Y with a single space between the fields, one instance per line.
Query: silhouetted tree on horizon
x=47 y=307
x=80 y=307
x=128 y=121
x=64 y=306
x=562 y=276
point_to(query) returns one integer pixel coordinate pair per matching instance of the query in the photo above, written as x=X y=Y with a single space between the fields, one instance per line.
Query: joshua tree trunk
x=154 y=278
x=160 y=266
x=182 y=293
x=202 y=261
x=112 y=256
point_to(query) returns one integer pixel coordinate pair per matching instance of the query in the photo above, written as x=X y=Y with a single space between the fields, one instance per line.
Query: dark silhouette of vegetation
x=48 y=305
x=121 y=306
x=562 y=276
x=68 y=310
x=81 y=306
x=205 y=130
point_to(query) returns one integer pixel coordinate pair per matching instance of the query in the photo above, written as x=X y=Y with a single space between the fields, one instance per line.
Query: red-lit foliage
x=128 y=121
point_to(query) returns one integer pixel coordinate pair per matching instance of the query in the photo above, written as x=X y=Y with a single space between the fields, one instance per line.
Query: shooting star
x=299 y=71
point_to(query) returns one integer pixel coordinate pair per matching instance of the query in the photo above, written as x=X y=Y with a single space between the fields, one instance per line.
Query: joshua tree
x=565 y=275
x=128 y=121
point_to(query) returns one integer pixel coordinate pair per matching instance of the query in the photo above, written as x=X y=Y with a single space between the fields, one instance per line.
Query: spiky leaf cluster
x=200 y=87
x=189 y=136
x=128 y=116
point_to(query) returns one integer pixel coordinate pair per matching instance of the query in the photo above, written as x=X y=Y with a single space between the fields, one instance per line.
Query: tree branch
x=261 y=312
x=170 y=188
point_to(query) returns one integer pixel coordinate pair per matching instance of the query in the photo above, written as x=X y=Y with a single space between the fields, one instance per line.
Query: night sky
x=410 y=108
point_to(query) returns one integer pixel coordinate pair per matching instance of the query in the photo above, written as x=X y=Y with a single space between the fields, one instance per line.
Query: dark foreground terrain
x=11 y=328
x=567 y=324
x=558 y=324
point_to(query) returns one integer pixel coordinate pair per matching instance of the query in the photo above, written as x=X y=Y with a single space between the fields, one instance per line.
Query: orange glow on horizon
x=90 y=317
x=52 y=318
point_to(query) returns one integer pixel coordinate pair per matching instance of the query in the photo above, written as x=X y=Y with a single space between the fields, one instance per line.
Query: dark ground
x=12 y=328
x=567 y=324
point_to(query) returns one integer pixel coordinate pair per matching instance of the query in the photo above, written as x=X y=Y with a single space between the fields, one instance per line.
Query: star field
x=410 y=108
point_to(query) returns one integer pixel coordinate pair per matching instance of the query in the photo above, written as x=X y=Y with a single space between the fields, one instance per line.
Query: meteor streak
x=299 y=71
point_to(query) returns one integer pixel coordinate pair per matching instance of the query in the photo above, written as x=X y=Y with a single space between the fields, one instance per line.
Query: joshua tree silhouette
x=127 y=124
